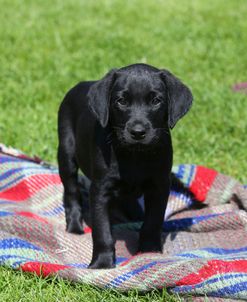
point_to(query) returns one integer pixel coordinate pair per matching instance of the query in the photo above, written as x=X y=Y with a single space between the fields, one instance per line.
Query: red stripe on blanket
x=87 y=230
x=214 y=267
x=31 y=215
x=42 y=269
x=29 y=186
x=202 y=182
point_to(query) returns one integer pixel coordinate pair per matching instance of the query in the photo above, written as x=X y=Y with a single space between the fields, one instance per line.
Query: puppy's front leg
x=103 y=243
x=155 y=204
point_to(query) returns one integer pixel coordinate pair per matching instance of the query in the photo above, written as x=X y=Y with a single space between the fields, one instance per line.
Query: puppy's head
x=140 y=102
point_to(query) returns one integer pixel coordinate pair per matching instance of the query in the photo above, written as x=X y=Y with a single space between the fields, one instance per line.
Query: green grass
x=48 y=46
x=18 y=286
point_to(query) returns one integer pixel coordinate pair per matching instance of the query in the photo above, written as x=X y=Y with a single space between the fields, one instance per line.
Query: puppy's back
x=75 y=103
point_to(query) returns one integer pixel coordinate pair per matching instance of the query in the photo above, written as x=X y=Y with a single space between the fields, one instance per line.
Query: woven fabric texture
x=205 y=248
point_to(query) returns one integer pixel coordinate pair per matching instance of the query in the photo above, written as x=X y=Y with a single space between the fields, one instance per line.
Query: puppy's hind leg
x=68 y=171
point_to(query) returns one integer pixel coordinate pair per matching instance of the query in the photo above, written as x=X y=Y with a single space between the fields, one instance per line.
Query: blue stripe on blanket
x=15 y=243
x=184 y=223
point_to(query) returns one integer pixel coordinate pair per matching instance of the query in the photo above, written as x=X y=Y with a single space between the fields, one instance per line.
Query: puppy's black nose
x=138 y=132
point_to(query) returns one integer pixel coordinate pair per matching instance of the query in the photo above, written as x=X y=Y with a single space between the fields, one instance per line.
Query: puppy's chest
x=136 y=172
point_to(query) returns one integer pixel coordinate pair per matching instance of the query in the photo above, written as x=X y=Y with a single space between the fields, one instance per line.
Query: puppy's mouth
x=138 y=142
x=125 y=139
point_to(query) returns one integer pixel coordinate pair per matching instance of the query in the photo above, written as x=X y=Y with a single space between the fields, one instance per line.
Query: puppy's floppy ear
x=179 y=97
x=99 y=97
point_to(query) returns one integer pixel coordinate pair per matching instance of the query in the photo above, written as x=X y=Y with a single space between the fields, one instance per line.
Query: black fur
x=116 y=130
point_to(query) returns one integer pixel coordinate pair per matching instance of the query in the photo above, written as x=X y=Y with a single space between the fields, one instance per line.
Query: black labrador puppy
x=116 y=130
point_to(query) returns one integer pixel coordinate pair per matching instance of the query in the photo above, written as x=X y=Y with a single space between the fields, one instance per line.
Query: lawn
x=48 y=46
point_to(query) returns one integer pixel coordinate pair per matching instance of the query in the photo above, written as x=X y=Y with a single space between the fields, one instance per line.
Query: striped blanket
x=205 y=249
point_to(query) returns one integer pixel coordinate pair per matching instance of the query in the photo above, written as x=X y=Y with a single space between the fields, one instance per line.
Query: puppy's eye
x=156 y=101
x=121 y=102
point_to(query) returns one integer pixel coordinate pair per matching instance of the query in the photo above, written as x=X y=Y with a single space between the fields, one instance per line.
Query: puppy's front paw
x=150 y=245
x=103 y=260
x=75 y=227
x=74 y=222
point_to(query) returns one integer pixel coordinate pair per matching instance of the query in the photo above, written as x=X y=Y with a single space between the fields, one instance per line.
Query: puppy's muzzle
x=137 y=130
